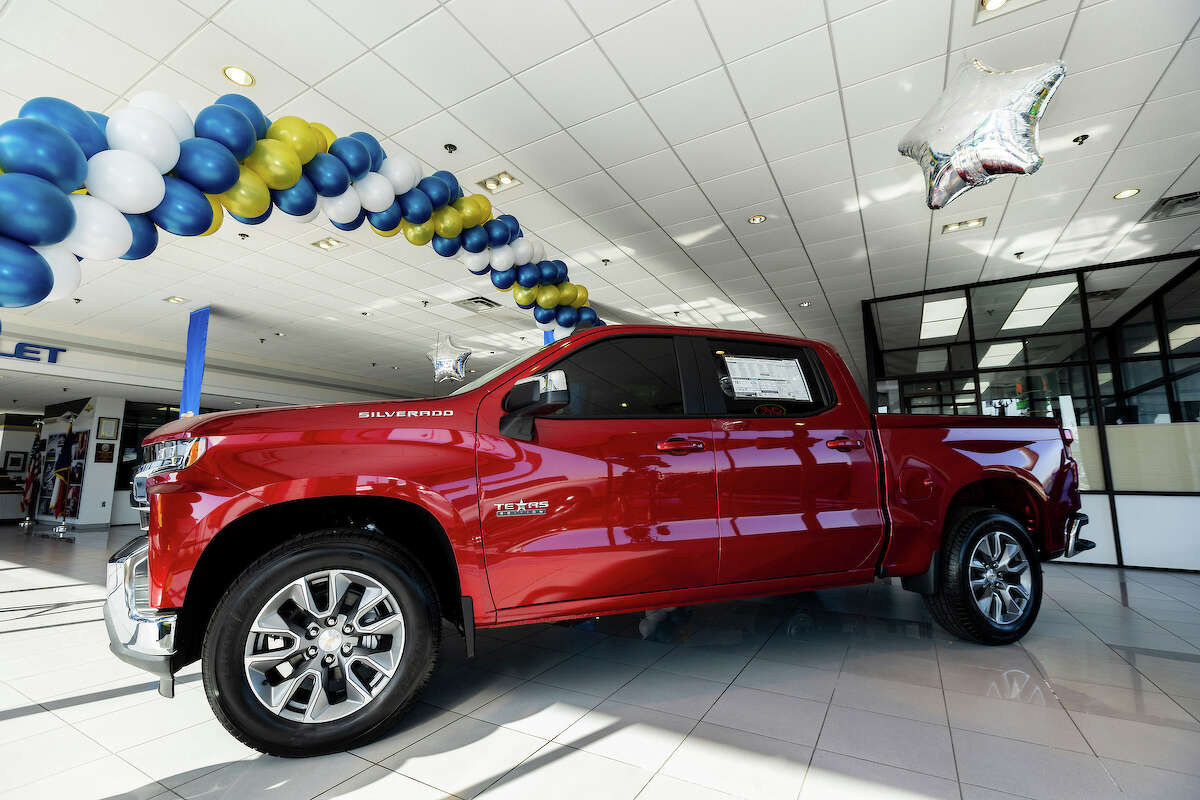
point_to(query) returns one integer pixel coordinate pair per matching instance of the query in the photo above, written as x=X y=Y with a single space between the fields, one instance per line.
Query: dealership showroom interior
x=615 y=399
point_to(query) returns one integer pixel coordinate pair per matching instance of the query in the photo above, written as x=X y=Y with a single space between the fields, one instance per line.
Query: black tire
x=225 y=679
x=953 y=605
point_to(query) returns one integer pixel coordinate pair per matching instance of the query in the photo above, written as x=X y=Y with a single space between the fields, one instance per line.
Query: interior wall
x=96 y=495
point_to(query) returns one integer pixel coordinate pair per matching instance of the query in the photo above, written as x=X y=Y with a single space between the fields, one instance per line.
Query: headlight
x=174 y=454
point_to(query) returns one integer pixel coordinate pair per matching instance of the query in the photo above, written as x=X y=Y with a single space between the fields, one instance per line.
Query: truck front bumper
x=138 y=634
x=1076 y=544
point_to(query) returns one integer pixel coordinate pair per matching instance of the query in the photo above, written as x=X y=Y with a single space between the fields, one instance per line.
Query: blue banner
x=193 y=366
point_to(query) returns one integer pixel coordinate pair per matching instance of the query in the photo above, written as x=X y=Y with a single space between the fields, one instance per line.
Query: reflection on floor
x=847 y=693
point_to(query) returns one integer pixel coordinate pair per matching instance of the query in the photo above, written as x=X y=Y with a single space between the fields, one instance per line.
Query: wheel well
x=247 y=538
x=1009 y=495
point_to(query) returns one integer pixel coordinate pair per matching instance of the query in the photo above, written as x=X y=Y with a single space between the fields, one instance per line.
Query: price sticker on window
x=767 y=378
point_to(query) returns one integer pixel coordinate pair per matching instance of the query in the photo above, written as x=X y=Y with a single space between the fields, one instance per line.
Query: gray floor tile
x=1030 y=770
x=890 y=697
x=1152 y=745
x=740 y=763
x=790 y=679
x=832 y=776
x=633 y=734
x=672 y=693
x=792 y=719
x=905 y=743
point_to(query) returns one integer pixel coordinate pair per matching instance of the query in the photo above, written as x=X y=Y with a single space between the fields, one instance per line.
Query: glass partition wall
x=1112 y=351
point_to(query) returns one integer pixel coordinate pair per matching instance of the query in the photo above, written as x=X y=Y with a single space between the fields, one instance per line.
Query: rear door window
x=761 y=379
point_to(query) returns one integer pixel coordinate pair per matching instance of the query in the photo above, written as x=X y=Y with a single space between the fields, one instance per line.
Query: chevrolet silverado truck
x=309 y=555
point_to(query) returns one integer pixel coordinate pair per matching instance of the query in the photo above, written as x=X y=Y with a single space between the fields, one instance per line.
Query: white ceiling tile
x=652 y=175
x=1036 y=44
x=505 y=116
x=1118 y=85
x=313 y=105
x=647 y=243
x=912 y=234
x=806 y=171
x=719 y=252
x=838 y=250
x=1166 y=155
x=877 y=150
x=554 y=160
x=829 y=199
x=802 y=127
x=521 y=33
x=695 y=107
x=203 y=56
x=420 y=53
x=966 y=33
x=619 y=136
x=738 y=219
x=539 y=211
x=1189 y=181
x=623 y=220
x=154 y=28
x=703 y=230
x=661 y=48
x=1104 y=131
x=1163 y=119
x=24 y=76
x=359 y=85
x=1043 y=208
x=910 y=260
x=600 y=17
x=372 y=22
x=741 y=189
x=894 y=97
x=577 y=85
x=721 y=153
x=915 y=30
x=426 y=140
x=772 y=241
x=680 y=205
x=300 y=38
x=1055 y=178
x=806 y=60
x=903 y=210
x=596 y=192
x=1184 y=73
x=772 y=21
x=1119 y=29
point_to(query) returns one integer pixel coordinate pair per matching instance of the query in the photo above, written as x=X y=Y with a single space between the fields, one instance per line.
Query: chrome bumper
x=138 y=634
x=1075 y=544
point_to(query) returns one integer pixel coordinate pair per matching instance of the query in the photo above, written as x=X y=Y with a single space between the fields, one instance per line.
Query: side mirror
x=533 y=397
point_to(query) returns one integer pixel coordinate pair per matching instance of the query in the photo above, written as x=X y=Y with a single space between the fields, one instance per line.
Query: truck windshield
x=491 y=373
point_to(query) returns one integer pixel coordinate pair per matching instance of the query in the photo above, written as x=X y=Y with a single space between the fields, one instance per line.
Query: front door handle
x=679 y=445
x=844 y=444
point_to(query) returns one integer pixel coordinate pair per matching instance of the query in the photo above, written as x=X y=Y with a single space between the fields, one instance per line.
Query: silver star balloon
x=983 y=125
x=449 y=360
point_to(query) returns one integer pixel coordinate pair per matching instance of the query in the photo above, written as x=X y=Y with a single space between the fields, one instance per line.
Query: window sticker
x=768 y=378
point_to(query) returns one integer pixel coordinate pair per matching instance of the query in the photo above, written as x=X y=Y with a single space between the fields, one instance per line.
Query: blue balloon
x=497 y=232
x=374 y=150
x=298 y=200
x=546 y=272
x=446 y=247
x=567 y=316
x=543 y=315
x=437 y=191
x=260 y=219
x=447 y=177
x=514 y=228
x=560 y=270
x=251 y=111
x=72 y=119
x=101 y=122
x=474 y=240
x=416 y=207
x=504 y=278
x=528 y=275
x=353 y=225
x=587 y=316
x=208 y=165
x=353 y=154
x=228 y=126
x=25 y=277
x=145 y=237
x=34 y=211
x=184 y=210
x=38 y=148
x=328 y=175
x=388 y=219
x=484 y=270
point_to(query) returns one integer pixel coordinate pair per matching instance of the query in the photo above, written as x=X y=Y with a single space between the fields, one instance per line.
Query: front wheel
x=990 y=579
x=320 y=644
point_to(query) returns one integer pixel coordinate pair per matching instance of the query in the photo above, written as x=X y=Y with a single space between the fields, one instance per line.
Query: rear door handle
x=677 y=445
x=844 y=444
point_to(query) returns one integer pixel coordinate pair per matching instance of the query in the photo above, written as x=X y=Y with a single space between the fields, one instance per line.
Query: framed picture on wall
x=108 y=428
x=15 y=460
x=105 y=452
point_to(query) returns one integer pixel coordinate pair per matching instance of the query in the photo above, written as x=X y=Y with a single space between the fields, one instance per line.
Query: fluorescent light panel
x=1038 y=304
x=1183 y=334
x=1000 y=355
x=942 y=318
x=932 y=360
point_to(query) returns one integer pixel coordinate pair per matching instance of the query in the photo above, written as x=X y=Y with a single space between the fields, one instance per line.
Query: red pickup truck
x=308 y=555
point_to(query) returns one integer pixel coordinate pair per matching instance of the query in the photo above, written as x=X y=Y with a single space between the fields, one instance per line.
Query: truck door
x=798 y=492
x=616 y=494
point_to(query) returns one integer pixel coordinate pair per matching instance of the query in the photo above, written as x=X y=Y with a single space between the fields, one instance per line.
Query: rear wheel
x=320 y=644
x=990 y=579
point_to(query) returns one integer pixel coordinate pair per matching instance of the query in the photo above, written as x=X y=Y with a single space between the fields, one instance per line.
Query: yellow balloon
x=581 y=297
x=447 y=222
x=326 y=134
x=79 y=191
x=525 y=295
x=567 y=292
x=249 y=197
x=418 y=234
x=218 y=215
x=298 y=134
x=485 y=206
x=547 y=296
x=392 y=232
x=470 y=211
x=275 y=162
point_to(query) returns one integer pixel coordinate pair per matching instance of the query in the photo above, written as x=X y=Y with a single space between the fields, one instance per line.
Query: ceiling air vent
x=1171 y=207
x=477 y=304
x=1104 y=295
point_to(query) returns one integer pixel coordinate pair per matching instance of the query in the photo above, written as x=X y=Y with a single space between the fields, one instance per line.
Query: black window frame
x=710 y=381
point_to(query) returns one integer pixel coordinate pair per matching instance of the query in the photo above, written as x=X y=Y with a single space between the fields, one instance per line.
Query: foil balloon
x=449 y=360
x=984 y=125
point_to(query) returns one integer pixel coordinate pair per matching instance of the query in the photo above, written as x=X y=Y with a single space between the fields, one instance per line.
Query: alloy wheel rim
x=1000 y=577
x=324 y=646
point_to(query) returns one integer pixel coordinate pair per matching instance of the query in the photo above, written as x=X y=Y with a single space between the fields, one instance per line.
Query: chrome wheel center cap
x=990 y=575
x=330 y=641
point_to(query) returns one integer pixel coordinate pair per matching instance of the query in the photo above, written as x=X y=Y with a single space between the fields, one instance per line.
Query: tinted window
x=624 y=377
x=769 y=380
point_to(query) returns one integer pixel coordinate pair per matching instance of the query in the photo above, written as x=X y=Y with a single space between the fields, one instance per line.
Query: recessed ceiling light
x=963 y=225
x=277 y=333
x=328 y=243
x=505 y=178
x=238 y=75
x=1125 y=194
x=991 y=5
x=499 y=182
x=176 y=299
x=757 y=219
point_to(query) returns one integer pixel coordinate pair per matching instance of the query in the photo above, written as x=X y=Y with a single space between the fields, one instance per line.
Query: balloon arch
x=76 y=184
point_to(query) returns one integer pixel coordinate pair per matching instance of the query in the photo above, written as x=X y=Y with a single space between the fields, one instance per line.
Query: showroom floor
x=838 y=693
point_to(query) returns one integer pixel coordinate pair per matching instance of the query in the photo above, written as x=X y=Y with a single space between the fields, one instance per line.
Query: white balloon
x=522 y=251
x=145 y=133
x=309 y=217
x=399 y=172
x=169 y=109
x=502 y=257
x=561 y=333
x=126 y=180
x=539 y=251
x=65 y=267
x=375 y=192
x=414 y=162
x=100 y=231
x=344 y=208
x=477 y=262
x=545 y=326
